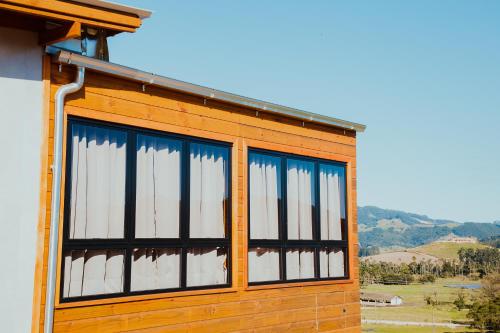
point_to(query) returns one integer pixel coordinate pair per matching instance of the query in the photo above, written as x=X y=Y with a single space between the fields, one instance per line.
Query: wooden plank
x=80 y=10
x=299 y=327
x=263 y=303
x=69 y=18
x=353 y=321
x=346 y=330
x=331 y=324
x=168 y=99
x=250 y=312
x=189 y=124
x=182 y=328
x=61 y=213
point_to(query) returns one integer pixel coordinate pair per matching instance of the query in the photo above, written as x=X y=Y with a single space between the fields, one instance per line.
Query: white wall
x=21 y=95
x=396 y=301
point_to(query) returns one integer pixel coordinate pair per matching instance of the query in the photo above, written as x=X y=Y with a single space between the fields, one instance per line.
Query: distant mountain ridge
x=387 y=228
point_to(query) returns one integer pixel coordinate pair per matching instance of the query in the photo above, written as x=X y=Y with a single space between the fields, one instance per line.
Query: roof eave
x=91 y=13
x=139 y=12
x=146 y=78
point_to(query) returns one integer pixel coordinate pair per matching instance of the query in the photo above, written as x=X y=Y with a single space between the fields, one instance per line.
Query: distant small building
x=367 y=298
x=452 y=238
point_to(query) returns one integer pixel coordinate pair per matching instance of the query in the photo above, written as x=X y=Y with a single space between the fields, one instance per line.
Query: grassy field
x=445 y=250
x=411 y=329
x=414 y=307
x=399 y=257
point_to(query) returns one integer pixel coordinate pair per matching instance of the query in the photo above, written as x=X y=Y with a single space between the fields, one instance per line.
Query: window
x=145 y=212
x=297 y=218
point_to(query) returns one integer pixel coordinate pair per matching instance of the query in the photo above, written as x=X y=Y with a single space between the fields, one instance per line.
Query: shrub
x=427 y=278
x=460 y=301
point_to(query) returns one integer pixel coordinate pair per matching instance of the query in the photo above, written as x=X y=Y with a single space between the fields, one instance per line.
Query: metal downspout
x=61 y=93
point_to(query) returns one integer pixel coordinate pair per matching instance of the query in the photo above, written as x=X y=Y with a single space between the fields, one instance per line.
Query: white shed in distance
x=380 y=299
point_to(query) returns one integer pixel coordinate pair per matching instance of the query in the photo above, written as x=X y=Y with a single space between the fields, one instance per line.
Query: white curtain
x=97 y=201
x=332 y=201
x=263 y=264
x=300 y=199
x=158 y=191
x=208 y=191
x=93 y=272
x=155 y=269
x=299 y=264
x=331 y=263
x=264 y=195
x=206 y=267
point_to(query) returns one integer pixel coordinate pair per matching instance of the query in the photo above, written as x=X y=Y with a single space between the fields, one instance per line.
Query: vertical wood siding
x=302 y=307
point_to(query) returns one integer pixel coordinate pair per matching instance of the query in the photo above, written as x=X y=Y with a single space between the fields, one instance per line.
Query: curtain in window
x=158 y=192
x=208 y=191
x=263 y=264
x=300 y=199
x=332 y=201
x=93 y=272
x=331 y=263
x=264 y=196
x=97 y=202
x=206 y=267
x=155 y=269
x=299 y=264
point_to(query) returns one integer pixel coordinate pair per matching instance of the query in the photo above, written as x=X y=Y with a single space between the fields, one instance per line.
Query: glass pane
x=97 y=184
x=300 y=199
x=158 y=192
x=263 y=264
x=206 y=266
x=209 y=191
x=93 y=272
x=155 y=268
x=332 y=201
x=265 y=195
x=299 y=264
x=332 y=263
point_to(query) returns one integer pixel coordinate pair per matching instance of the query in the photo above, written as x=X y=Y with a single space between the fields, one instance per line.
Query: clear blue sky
x=424 y=76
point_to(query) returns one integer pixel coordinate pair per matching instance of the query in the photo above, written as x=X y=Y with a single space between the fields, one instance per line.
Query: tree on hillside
x=482 y=261
x=460 y=301
x=368 y=251
x=485 y=311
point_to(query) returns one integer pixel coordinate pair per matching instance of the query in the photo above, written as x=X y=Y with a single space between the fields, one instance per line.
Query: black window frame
x=283 y=243
x=128 y=243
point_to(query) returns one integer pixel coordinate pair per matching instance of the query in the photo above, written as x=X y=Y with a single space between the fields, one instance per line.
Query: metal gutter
x=61 y=93
x=146 y=78
x=140 y=13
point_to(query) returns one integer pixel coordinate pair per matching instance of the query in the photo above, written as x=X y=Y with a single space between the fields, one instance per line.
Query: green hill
x=386 y=228
x=444 y=250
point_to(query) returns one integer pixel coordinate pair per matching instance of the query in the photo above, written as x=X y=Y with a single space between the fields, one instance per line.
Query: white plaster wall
x=21 y=105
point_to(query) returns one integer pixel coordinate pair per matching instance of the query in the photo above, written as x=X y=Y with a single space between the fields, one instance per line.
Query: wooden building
x=163 y=206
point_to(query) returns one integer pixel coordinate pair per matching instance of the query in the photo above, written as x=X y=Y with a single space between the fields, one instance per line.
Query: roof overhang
x=146 y=78
x=35 y=14
x=140 y=13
